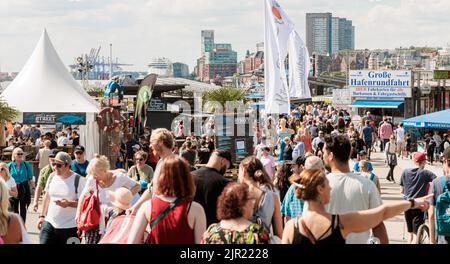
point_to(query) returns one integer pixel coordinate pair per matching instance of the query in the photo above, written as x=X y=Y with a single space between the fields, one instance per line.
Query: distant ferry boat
x=161 y=66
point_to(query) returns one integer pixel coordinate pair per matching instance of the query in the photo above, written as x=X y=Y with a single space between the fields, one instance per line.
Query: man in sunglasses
x=59 y=208
x=80 y=164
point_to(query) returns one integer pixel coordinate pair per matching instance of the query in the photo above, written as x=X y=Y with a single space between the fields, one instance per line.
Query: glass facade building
x=326 y=34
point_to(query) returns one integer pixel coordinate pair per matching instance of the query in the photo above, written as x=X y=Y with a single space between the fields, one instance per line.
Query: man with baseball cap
x=80 y=164
x=210 y=182
x=59 y=207
x=414 y=183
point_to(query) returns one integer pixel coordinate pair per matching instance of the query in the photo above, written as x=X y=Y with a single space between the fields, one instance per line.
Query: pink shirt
x=269 y=165
x=386 y=131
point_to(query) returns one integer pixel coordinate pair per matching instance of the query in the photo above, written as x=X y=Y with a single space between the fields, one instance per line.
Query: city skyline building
x=326 y=35
x=318 y=33
x=180 y=70
x=218 y=60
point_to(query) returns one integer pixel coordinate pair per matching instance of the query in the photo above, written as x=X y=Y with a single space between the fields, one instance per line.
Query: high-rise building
x=318 y=33
x=207 y=40
x=327 y=35
x=346 y=34
x=217 y=59
x=335 y=35
x=180 y=70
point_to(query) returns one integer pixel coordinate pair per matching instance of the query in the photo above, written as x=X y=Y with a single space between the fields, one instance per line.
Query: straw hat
x=121 y=198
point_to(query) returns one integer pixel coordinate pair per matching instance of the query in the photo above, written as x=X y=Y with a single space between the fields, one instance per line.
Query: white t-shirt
x=59 y=188
x=351 y=192
x=10 y=183
x=400 y=134
x=62 y=141
x=122 y=180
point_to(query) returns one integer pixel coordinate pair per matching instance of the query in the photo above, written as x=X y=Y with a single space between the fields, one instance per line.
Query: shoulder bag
x=89 y=217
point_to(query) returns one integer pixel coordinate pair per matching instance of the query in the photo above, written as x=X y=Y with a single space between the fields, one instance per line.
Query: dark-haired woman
x=320 y=227
x=267 y=206
x=171 y=215
x=281 y=180
x=234 y=208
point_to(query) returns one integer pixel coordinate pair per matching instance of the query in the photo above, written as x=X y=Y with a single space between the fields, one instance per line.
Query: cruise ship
x=161 y=66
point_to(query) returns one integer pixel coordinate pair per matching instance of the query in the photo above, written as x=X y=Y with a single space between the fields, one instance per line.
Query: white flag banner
x=277 y=29
x=299 y=66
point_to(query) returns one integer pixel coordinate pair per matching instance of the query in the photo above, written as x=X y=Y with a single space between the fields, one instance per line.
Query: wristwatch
x=42 y=216
x=413 y=203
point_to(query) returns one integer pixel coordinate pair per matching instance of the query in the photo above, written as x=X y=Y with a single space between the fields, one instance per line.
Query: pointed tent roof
x=45 y=85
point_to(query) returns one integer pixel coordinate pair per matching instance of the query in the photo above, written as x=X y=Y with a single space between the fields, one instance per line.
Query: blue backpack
x=442 y=211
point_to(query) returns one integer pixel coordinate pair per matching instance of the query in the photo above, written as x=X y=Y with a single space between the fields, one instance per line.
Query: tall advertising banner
x=275 y=35
x=298 y=67
x=281 y=39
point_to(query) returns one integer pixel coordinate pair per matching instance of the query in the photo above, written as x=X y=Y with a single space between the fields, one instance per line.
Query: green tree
x=7 y=113
x=224 y=94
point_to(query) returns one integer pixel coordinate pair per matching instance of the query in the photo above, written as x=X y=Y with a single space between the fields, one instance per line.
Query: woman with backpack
x=171 y=216
x=100 y=180
x=118 y=224
x=22 y=173
x=391 y=157
x=267 y=210
x=234 y=209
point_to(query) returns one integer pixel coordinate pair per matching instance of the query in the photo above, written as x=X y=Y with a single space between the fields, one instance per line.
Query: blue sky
x=141 y=29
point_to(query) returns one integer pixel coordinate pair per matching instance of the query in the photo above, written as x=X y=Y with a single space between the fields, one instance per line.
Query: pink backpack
x=118 y=230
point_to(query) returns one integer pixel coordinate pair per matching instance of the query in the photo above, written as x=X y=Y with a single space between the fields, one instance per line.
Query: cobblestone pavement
x=389 y=192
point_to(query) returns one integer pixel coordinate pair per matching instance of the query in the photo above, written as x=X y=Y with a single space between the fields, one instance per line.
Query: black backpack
x=441 y=146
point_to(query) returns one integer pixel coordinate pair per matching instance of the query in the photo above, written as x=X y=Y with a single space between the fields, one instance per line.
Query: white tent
x=44 y=85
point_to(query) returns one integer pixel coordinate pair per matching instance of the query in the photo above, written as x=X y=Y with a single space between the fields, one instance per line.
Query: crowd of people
x=298 y=188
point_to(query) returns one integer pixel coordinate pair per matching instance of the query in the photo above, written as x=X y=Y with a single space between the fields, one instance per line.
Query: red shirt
x=173 y=228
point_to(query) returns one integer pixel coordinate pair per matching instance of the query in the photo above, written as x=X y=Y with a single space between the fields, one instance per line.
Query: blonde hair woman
x=10 y=182
x=101 y=178
x=22 y=173
x=12 y=230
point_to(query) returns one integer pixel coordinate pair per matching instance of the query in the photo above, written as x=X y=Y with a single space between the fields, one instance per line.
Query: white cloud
x=141 y=29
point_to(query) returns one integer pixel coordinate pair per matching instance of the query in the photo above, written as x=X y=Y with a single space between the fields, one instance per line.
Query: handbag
x=89 y=217
x=392 y=159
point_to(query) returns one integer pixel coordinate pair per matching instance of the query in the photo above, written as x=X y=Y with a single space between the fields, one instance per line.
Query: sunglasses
x=140 y=159
x=19 y=154
x=57 y=165
x=78 y=153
